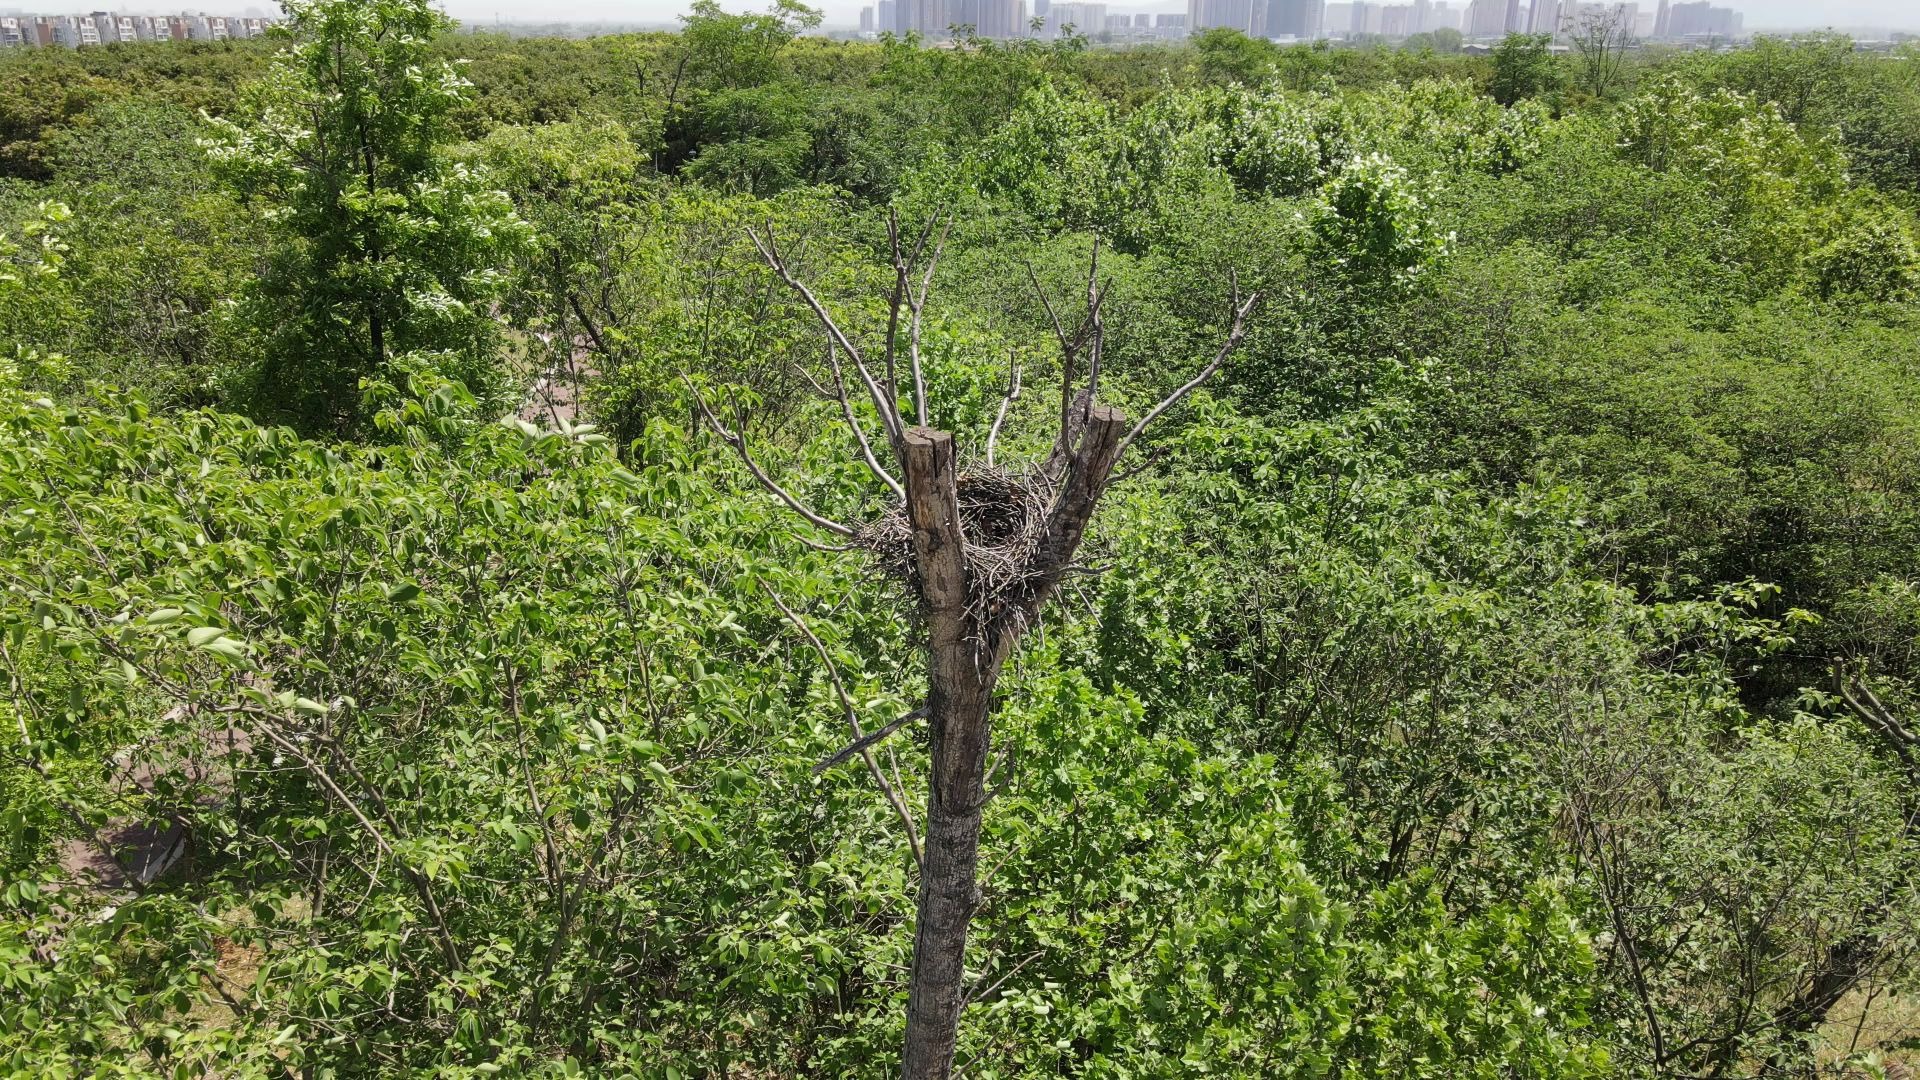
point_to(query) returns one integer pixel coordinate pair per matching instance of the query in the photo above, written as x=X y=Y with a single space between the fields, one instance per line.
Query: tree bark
x=969 y=637
x=957 y=697
x=963 y=664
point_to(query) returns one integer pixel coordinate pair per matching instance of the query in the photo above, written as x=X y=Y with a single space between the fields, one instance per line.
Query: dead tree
x=982 y=547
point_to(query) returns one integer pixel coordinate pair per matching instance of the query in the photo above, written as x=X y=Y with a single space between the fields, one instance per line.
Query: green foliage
x=1872 y=256
x=1454 y=697
x=384 y=252
x=1373 y=225
x=154 y=255
x=33 y=298
x=1523 y=67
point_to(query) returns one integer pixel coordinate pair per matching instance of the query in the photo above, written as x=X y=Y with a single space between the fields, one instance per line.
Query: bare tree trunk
x=957 y=699
x=965 y=655
x=949 y=891
x=970 y=635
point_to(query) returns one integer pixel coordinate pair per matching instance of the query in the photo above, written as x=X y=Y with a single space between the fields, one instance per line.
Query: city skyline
x=1759 y=15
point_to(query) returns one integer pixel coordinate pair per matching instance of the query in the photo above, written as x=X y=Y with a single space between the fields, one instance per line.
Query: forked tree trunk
x=969 y=635
x=966 y=651
x=957 y=723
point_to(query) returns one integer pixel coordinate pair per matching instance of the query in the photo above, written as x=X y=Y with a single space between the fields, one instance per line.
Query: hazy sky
x=1760 y=13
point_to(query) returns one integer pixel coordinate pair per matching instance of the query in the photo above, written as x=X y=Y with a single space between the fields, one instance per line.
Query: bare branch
x=866 y=742
x=1146 y=462
x=859 y=433
x=1095 y=294
x=1006 y=402
x=733 y=438
x=1059 y=332
x=1089 y=465
x=1070 y=346
x=1001 y=981
x=883 y=401
x=899 y=297
x=813 y=383
x=264 y=723
x=918 y=303
x=1867 y=705
x=1234 y=336
x=853 y=721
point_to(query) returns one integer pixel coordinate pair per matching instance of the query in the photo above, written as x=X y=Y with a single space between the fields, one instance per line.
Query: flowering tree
x=390 y=254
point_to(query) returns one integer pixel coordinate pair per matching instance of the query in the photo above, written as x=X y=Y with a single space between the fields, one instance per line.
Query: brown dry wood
x=957 y=703
x=979 y=594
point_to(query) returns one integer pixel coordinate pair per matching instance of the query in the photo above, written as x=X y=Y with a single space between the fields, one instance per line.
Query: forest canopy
x=734 y=553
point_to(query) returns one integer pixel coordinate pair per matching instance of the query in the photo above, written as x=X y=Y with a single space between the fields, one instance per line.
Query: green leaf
x=201 y=635
x=227 y=649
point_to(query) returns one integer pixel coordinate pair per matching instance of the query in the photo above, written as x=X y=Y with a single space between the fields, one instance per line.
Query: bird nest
x=1003 y=515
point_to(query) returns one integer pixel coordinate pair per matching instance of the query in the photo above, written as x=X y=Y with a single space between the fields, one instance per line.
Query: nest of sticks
x=1003 y=515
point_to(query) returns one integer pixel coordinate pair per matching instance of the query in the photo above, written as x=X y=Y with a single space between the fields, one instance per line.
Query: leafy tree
x=1458 y=697
x=1523 y=67
x=1600 y=40
x=34 y=301
x=1231 y=56
x=388 y=255
x=728 y=51
x=1872 y=257
x=1373 y=225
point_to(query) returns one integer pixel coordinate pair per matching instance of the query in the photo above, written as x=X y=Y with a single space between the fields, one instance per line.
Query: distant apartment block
x=1701 y=20
x=1224 y=15
x=1352 y=18
x=112 y=28
x=1300 y=19
x=998 y=19
x=1080 y=18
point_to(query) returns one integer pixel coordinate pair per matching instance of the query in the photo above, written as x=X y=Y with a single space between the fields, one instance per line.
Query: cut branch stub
x=939 y=546
x=1088 y=468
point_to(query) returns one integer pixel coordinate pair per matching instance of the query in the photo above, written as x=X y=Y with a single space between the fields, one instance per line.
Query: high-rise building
x=1422 y=16
x=1513 y=23
x=1663 y=21
x=928 y=18
x=1082 y=18
x=1579 y=15
x=886 y=17
x=1226 y=14
x=1009 y=20
x=998 y=19
x=1702 y=19
x=1303 y=19
x=866 y=20
x=1545 y=18
x=1487 y=18
x=74 y=31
